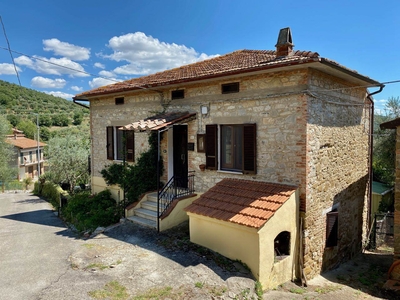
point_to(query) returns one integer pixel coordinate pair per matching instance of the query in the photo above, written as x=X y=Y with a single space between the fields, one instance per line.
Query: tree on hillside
x=384 y=156
x=68 y=159
x=6 y=171
x=28 y=127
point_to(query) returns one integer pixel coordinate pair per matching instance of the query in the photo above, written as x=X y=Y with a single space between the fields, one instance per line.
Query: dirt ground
x=142 y=264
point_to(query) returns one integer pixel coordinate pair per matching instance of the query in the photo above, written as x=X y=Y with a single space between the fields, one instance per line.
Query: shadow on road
x=43 y=217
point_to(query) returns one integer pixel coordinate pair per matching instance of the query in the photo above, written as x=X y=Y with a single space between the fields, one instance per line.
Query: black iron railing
x=176 y=187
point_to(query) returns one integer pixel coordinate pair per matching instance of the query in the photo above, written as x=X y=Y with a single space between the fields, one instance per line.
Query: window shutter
x=332 y=229
x=249 y=149
x=130 y=144
x=110 y=142
x=211 y=147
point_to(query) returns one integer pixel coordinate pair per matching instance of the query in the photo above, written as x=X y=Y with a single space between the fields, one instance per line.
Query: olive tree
x=7 y=172
x=67 y=157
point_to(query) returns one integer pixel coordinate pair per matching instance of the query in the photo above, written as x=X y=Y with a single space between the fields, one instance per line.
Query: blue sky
x=124 y=39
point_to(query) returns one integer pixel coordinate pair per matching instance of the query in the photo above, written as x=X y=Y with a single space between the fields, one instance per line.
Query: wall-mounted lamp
x=204 y=109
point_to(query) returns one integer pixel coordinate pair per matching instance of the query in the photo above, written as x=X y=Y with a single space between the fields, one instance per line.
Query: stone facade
x=312 y=131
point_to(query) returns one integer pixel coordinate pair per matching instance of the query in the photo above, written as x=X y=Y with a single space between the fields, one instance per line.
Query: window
x=178 y=94
x=332 y=225
x=228 y=88
x=237 y=148
x=30 y=156
x=21 y=158
x=282 y=245
x=116 y=139
x=119 y=100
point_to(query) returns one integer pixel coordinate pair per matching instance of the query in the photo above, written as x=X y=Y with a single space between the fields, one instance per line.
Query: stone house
x=28 y=155
x=277 y=117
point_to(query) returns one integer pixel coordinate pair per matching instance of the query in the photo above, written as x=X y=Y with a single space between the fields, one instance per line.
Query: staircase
x=146 y=212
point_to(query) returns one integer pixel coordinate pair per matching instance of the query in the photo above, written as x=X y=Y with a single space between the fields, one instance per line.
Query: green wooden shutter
x=110 y=142
x=211 y=147
x=249 y=149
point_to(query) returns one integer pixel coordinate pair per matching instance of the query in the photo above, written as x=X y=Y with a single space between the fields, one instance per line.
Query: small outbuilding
x=253 y=222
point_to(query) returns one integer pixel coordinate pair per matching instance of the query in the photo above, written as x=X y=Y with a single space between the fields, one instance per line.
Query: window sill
x=230 y=172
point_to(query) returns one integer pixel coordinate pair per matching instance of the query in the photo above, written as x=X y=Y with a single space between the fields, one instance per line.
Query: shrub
x=87 y=212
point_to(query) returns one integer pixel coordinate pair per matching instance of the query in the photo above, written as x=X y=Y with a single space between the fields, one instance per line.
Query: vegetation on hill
x=23 y=107
x=384 y=154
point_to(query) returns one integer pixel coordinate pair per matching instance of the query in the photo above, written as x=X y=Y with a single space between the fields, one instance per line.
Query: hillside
x=15 y=99
x=20 y=106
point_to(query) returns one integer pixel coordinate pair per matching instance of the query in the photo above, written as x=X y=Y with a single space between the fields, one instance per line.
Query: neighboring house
x=250 y=119
x=26 y=155
x=394 y=271
x=382 y=194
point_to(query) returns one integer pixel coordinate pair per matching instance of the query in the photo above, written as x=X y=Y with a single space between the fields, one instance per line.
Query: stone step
x=150 y=205
x=146 y=213
x=143 y=221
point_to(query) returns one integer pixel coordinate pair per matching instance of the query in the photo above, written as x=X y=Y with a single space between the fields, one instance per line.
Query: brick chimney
x=284 y=46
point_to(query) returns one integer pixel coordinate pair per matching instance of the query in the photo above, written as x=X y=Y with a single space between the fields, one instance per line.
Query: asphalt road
x=34 y=246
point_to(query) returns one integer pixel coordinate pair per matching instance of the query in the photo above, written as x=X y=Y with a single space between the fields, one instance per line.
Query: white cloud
x=76 y=88
x=66 y=50
x=146 y=54
x=53 y=66
x=96 y=82
x=44 y=83
x=8 y=69
x=99 y=65
x=61 y=94
x=106 y=74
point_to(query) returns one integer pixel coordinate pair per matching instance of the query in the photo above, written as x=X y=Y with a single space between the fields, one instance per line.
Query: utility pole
x=38 y=144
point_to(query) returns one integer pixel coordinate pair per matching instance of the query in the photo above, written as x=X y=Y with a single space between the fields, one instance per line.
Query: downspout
x=371 y=140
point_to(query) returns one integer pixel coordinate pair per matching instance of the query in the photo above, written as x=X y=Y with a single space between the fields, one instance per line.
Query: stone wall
x=337 y=170
x=312 y=132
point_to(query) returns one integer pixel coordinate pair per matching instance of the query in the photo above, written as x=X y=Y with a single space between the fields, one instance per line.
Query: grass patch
x=96 y=266
x=199 y=285
x=112 y=290
x=258 y=289
x=298 y=291
x=89 y=246
x=156 y=293
x=327 y=289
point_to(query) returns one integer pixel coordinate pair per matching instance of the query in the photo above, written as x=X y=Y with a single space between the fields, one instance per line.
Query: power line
x=140 y=87
x=9 y=50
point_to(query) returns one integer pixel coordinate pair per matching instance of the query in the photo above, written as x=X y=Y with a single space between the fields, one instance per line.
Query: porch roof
x=244 y=202
x=160 y=121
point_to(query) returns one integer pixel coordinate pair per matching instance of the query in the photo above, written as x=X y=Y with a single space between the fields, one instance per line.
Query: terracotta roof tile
x=24 y=142
x=245 y=202
x=159 y=121
x=232 y=63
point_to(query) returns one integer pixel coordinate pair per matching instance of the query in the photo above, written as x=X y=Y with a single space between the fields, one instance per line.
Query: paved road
x=34 y=244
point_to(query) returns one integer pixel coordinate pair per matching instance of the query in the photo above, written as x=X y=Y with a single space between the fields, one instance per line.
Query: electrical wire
x=9 y=50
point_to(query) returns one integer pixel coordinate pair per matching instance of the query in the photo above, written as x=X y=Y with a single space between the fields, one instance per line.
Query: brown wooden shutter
x=211 y=147
x=130 y=145
x=249 y=149
x=110 y=142
x=332 y=225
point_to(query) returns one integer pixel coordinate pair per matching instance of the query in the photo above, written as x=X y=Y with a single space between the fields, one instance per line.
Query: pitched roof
x=244 y=202
x=159 y=121
x=241 y=61
x=24 y=142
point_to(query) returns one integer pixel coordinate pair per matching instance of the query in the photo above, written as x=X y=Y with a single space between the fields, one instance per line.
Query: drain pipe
x=371 y=140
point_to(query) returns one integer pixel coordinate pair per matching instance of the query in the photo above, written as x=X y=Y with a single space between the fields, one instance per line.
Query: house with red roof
x=28 y=155
x=267 y=152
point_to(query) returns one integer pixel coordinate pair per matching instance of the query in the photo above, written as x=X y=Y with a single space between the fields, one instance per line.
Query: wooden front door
x=181 y=155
